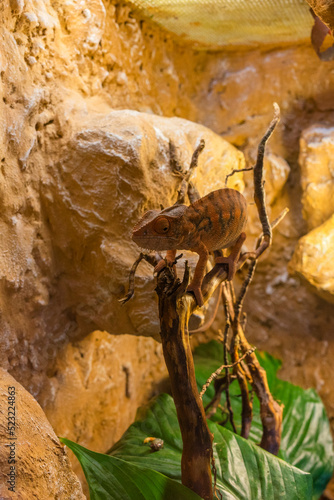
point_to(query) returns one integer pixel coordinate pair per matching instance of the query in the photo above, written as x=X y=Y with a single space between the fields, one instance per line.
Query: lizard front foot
x=232 y=259
x=197 y=292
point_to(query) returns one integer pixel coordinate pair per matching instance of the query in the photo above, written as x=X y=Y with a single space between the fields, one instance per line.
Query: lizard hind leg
x=232 y=259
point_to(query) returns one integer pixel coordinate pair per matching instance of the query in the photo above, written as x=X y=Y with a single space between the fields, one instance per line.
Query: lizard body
x=211 y=223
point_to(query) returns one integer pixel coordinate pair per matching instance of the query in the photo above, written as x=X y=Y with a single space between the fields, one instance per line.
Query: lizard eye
x=161 y=225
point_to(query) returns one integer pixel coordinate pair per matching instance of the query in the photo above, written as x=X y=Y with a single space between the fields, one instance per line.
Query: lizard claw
x=160 y=266
x=198 y=294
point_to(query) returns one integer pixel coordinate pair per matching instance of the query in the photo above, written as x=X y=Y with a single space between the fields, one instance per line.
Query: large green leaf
x=306 y=438
x=110 y=478
x=244 y=471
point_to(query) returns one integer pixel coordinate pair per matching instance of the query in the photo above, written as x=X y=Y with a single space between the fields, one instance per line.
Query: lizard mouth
x=154 y=242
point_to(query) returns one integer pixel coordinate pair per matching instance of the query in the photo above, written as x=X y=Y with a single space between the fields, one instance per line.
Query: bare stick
x=241 y=297
x=227 y=373
x=186 y=176
x=247 y=407
x=259 y=194
x=194 y=159
x=220 y=385
x=142 y=256
x=235 y=171
x=270 y=411
x=251 y=271
x=215 y=374
x=259 y=248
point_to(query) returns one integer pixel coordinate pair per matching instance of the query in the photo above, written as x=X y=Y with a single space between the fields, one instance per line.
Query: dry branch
x=174 y=315
x=270 y=411
x=215 y=374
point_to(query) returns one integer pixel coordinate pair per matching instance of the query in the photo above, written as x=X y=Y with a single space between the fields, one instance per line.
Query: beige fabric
x=231 y=22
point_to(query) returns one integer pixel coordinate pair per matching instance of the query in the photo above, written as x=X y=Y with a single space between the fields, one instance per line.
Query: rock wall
x=33 y=463
x=77 y=170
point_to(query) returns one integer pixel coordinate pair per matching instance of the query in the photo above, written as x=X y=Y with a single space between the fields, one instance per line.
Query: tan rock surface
x=98 y=385
x=276 y=173
x=313 y=259
x=39 y=467
x=317 y=173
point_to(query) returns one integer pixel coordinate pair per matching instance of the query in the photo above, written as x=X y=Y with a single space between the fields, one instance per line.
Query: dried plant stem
x=186 y=185
x=142 y=256
x=215 y=374
x=227 y=373
x=247 y=407
x=271 y=412
x=220 y=386
x=236 y=171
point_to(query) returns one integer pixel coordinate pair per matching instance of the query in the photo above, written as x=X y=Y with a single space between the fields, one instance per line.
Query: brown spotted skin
x=213 y=222
x=219 y=218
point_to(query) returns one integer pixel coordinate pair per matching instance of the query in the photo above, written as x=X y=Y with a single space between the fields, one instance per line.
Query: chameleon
x=213 y=222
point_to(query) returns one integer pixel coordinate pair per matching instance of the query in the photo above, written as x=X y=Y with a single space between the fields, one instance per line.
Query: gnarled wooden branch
x=174 y=312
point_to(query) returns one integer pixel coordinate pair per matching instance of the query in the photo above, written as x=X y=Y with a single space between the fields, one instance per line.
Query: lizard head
x=158 y=230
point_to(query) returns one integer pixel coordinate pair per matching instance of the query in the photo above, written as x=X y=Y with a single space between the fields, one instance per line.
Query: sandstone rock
x=41 y=469
x=276 y=172
x=97 y=386
x=317 y=174
x=84 y=21
x=313 y=259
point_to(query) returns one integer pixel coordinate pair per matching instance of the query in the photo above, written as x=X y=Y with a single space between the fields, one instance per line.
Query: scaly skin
x=211 y=223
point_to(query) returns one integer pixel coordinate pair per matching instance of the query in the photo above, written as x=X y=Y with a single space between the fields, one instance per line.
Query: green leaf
x=306 y=438
x=110 y=478
x=244 y=471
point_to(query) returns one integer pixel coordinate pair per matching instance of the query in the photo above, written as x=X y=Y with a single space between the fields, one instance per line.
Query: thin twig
x=247 y=408
x=239 y=302
x=215 y=374
x=194 y=159
x=259 y=194
x=193 y=193
x=142 y=256
x=186 y=176
x=220 y=385
x=259 y=249
x=235 y=171
x=227 y=373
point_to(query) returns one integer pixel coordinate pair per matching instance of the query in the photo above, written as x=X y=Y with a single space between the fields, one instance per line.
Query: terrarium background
x=66 y=213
